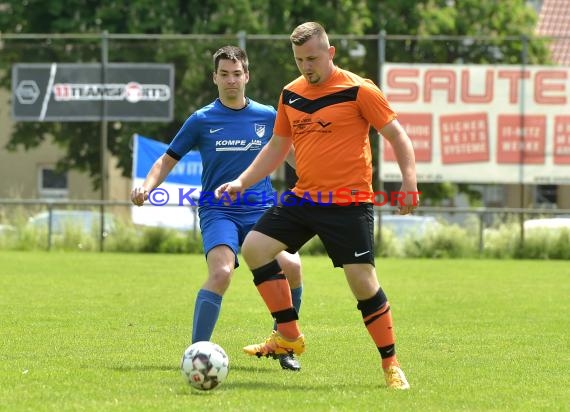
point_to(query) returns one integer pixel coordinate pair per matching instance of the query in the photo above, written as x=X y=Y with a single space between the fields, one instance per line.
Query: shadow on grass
x=131 y=368
x=256 y=369
x=127 y=368
x=253 y=386
x=175 y=368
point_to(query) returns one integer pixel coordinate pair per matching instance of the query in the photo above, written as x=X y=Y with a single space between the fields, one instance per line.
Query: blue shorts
x=227 y=226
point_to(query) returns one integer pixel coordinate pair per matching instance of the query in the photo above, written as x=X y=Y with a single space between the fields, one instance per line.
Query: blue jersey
x=228 y=140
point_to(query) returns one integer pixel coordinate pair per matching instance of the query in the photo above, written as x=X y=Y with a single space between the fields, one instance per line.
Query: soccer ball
x=205 y=365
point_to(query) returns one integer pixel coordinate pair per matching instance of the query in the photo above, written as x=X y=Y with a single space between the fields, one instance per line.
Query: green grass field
x=105 y=332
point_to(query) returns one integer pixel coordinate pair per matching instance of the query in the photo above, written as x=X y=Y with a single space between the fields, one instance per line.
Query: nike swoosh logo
x=291 y=101
x=356 y=254
x=215 y=130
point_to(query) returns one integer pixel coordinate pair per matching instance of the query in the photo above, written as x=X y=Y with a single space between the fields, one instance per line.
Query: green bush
x=30 y=239
x=165 y=240
x=450 y=241
x=125 y=238
x=73 y=238
x=181 y=243
x=313 y=247
x=561 y=248
x=194 y=242
x=502 y=241
x=153 y=238
x=546 y=244
x=389 y=245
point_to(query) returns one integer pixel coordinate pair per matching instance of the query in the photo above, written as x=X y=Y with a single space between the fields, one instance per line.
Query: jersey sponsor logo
x=308 y=125
x=291 y=101
x=215 y=130
x=237 y=145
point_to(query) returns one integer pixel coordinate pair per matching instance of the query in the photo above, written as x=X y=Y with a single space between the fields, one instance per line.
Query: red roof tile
x=554 y=20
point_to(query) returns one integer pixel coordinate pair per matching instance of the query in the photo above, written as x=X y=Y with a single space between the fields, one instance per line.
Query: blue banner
x=188 y=171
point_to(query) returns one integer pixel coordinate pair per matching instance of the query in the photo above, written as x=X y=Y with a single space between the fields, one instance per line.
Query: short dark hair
x=232 y=53
x=306 y=31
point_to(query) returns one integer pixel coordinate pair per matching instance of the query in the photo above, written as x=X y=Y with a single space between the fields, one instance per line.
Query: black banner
x=76 y=92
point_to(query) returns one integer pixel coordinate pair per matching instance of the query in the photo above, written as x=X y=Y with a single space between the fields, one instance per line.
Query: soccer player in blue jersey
x=229 y=133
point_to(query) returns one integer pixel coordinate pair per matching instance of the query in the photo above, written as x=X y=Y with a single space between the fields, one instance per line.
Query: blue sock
x=296 y=297
x=206 y=312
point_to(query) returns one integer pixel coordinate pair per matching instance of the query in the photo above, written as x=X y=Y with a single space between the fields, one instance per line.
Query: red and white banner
x=482 y=123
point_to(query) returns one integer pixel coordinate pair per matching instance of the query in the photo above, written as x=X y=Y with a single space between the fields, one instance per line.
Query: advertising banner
x=482 y=123
x=84 y=92
x=183 y=183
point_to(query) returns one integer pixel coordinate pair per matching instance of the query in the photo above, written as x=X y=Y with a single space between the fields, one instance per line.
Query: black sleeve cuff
x=173 y=154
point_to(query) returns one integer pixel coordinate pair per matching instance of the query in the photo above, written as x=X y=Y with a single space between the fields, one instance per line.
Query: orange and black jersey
x=329 y=125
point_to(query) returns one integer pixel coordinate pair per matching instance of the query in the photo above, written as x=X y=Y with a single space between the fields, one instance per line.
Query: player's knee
x=292 y=270
x=220 y=277
x=258 y=249
x=295 y=279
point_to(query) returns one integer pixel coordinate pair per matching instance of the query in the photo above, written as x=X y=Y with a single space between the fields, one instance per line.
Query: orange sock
x=276 y=293
x=379 y=325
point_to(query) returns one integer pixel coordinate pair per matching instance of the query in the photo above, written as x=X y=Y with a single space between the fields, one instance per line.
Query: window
x=52 y=183
x=546 y=196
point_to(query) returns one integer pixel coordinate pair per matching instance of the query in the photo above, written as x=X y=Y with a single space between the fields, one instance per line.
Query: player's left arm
x=404 y=151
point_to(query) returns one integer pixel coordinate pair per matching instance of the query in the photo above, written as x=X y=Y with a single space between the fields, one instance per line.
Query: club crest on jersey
x=260 y=129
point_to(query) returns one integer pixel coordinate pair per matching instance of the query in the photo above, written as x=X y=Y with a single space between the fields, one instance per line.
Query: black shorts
x=347 y=232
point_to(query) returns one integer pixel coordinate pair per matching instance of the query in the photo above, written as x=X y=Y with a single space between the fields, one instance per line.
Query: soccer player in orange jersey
x=326 y=114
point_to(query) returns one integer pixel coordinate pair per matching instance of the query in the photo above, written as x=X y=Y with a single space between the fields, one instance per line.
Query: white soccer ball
x=205 y=365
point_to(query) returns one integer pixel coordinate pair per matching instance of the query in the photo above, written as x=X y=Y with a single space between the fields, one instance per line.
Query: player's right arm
x=156 y=175
x=268 y=159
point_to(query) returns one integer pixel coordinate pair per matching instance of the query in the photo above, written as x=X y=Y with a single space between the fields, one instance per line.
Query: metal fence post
x=381 y=60
x=242 y=39
x=50 y=225
x=481 y=215
x=524 y=57
x=104 y=137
